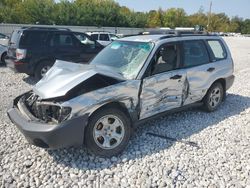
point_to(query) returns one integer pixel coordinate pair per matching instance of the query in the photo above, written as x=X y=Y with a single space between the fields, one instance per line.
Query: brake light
x=20 y=53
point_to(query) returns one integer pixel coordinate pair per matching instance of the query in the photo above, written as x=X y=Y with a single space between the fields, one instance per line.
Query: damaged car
x=132 y=80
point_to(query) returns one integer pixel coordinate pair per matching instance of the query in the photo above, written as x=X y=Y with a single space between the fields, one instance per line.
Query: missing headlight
x=51 y=112
x=48 y=112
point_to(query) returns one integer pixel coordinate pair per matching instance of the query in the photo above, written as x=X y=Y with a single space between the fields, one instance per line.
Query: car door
x=165 y=86
x=200 y=69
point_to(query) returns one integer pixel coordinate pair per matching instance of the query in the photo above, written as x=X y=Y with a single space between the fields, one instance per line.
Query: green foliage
x=175 y=17
x=110 y=13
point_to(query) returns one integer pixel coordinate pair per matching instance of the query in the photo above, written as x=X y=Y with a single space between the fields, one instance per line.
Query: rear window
x=104 y=37
x=15 y=37
x=2 y=36
x=195 y=53
x=34 y=38
x=217 y=49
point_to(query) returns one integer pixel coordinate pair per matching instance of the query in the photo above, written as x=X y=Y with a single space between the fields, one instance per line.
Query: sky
x=239 y=8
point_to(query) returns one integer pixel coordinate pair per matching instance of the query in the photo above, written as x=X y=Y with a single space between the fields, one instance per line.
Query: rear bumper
x=229 y=81
x=17 y=66
x=65 y=134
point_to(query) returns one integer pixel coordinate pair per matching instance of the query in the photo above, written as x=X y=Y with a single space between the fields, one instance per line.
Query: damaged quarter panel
x=200 y=78
x=125 y=92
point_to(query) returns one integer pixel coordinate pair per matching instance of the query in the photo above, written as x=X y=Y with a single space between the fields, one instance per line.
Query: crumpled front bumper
x=65 y=134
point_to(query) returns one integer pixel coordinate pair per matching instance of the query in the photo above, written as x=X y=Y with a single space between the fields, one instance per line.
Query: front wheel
x=214 y=97
x=108 y=132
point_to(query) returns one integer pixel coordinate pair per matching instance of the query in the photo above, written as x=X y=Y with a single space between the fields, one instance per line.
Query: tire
x=97 y=132
x=42 y=68
x=3 y=58
x=214 y=97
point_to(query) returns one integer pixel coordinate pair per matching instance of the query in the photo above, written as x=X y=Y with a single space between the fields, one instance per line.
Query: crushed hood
x=64 y=76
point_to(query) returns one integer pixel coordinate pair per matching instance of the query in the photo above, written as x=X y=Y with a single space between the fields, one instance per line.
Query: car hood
x=64 y=76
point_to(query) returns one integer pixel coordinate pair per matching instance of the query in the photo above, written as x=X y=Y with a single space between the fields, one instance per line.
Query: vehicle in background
x=3 y=53
x=34 y=50
x=4 y=39
x=85 y=38
x=132 y=80
x=104 y=38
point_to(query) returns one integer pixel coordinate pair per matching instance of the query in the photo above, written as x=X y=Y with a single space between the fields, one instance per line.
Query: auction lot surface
x=221 y=160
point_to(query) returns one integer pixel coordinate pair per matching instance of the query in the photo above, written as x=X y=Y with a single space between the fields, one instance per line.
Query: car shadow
x=181 y=125
x=30 y=80
x=2 y=65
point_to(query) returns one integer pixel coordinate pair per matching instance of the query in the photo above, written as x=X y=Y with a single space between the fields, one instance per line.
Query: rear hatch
x=14 y=43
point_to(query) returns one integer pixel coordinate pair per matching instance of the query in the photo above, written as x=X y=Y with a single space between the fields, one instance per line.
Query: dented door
x=163 y=92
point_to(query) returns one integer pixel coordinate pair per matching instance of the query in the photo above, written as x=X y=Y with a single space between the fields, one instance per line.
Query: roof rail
x=97 y=31
x=175 y=33
x=45 y=28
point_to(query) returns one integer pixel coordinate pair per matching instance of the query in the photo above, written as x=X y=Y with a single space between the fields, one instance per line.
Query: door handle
x=211 y=69
x=175 y=77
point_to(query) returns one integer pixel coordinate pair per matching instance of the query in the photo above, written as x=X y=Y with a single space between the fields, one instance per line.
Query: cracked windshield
x=127 y=58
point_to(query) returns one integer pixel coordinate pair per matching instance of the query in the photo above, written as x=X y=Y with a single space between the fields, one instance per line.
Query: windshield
x=125 y=57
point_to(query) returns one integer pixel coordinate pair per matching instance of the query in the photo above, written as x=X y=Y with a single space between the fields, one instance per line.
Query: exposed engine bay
x=49 y=112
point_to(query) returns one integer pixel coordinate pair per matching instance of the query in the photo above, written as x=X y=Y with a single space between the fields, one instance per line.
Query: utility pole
x=209 y=15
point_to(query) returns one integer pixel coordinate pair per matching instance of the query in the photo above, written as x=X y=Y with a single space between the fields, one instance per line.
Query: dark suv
x=34 y=50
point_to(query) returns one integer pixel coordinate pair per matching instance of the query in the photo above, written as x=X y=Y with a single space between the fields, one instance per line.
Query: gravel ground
x=221 y=160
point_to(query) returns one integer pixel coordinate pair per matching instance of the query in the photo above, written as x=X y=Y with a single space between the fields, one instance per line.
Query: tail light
x=20 y=53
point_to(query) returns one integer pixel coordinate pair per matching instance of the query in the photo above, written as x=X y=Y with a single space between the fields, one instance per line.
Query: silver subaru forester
x=132 y=80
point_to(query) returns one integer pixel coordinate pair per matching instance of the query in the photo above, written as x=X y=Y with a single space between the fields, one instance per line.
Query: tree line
x=110 y=13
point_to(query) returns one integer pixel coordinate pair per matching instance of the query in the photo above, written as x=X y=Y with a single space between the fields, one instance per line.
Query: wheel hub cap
x=108 y=132
x=215 y=97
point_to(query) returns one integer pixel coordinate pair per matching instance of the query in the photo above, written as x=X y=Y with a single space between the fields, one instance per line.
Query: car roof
x=157 y=37
x=43 y=29
x=98 y=32
x=142 y=38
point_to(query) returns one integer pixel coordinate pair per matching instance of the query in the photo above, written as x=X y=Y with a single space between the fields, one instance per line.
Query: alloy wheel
x=108 y=132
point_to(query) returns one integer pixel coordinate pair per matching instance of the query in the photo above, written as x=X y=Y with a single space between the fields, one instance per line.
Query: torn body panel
x=162 y=92
x=125 y=93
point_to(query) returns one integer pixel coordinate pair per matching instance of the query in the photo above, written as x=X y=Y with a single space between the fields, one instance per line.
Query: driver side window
x=165 y=59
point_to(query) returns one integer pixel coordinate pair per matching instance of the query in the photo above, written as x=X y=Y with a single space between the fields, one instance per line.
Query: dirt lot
x=221 y=160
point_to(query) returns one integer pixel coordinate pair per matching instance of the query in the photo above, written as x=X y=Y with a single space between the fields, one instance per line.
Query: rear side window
x=104 y=37
x=2 y=36
x=195 y=53
x=94 y=36
x=217 y=49
x=34 y=38
x=62 y=40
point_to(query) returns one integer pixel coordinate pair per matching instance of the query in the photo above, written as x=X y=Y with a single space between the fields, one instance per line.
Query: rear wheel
x=213 y=97
x=42 y=69
x=108 y=132
x=3 y=57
